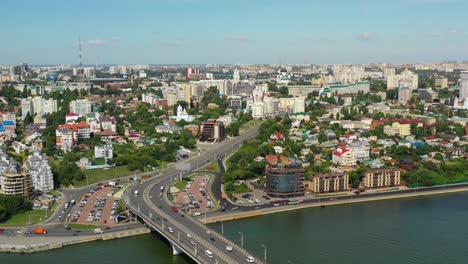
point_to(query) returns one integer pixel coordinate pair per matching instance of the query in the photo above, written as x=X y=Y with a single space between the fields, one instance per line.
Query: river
x=421 y=230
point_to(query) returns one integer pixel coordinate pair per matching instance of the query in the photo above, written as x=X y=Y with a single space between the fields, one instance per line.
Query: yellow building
x=329 y=182
x=381 y=178
x=401 y=128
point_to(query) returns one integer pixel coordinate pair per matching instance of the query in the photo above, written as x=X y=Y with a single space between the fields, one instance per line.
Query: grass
x=82 y=226
x=55 y=194
x=181 y=184
x=212 y=167
x=99 y=175
x=22 y=219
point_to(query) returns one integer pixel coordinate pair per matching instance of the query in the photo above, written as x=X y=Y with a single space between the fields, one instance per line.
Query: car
x=212 y=239
x=189 y=235
x=196 y=214
x=250 y=259
x=19 y=231
x=174 y=209
x=170 y=230
x=228 y=248
x=192 y=242
x=208 y=232
x=2 y=230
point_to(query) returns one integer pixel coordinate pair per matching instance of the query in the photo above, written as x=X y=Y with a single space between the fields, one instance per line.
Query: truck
x=135 y=193
x=98 y=231
x=40 y=231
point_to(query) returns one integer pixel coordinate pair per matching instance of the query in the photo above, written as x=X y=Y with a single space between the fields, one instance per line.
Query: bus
x=209 y=253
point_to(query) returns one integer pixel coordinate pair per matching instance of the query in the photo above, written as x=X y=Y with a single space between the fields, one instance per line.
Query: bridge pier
x=175 y=250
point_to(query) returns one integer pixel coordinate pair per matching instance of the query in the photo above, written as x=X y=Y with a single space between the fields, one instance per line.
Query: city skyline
x=248 y=32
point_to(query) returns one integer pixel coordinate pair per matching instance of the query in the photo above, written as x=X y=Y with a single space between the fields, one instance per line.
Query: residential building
x=348 y=88
x=284 y=177
x=168 y=128
x=68 y=135
x=105 y=151
x=82 y=107
x=441 y=82
x=13 y=180
x=37 y=106
x=393 y=81
x=361 y=150
x=404 y=93
x=212 y=131
x=381 y=178
x=329 y=182
x=401 y=128
x=40 y=172
x=344 y=157
x=427 y=94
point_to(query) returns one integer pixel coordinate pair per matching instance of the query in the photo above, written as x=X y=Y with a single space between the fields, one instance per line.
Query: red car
x=174 y=209
x=2 y=230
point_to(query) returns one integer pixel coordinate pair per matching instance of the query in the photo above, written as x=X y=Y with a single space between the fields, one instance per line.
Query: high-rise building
x=82 y=107
x=388 y=72
x=441 y=82
x=404 y=93
x=37 y=106
x=236 y=76
x=39 y=170
x=13 y=180
x=463 y=85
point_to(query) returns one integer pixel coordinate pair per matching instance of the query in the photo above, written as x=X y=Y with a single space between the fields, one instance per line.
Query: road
x=154 y=207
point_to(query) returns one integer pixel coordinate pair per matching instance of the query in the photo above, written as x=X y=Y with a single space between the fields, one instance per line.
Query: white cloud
x=97 y=42
x=240 y=38
x=364 y=36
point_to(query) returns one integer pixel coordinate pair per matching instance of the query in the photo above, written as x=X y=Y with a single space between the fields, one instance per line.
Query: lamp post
x=242 y=238
x=265 y=252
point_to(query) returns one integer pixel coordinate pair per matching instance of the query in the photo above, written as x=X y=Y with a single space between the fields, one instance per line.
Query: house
x=344 y=157
x=278 y=149
x=168 y=128
x=407 y=164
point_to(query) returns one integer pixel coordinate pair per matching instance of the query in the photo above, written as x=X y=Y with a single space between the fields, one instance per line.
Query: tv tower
x=80 y=52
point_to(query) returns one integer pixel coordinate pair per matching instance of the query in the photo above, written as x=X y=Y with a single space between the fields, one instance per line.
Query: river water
x=424 y=230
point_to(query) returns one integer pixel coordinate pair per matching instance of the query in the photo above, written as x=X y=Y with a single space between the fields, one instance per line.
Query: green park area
x=99 y=175
x=74 y=226
x=26 y=218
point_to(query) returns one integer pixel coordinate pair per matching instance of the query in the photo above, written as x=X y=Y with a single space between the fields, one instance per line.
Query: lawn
x=95 y=176
x=212 y=167
x=180 y=184
x=22 y=219
x=83 y=227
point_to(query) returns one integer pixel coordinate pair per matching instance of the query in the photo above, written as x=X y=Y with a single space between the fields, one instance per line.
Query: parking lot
x=97 y=207
x=194 y=196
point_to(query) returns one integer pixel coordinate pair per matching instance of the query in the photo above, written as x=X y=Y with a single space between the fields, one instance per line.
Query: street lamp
x=242 y=238
x=265 y=252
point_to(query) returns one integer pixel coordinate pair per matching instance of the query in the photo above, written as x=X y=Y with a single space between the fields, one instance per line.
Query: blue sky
x=242 y=31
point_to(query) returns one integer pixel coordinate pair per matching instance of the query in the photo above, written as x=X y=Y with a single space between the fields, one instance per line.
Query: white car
x=189 y=235
x=192 y=242
x=196 y=214
x=250 y=259
x=229 y=248
x=170 y=229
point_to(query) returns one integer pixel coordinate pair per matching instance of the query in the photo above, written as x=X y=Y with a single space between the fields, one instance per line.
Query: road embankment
x=229 y=216
x=32 y=244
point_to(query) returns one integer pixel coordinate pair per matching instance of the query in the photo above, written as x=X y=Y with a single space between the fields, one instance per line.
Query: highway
x=154 y=207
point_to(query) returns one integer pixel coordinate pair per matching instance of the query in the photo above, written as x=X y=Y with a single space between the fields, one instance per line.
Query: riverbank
x=32 y=244
x=355 y=199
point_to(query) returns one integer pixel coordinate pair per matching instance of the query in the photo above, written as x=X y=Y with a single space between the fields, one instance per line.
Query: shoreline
x=33 y=244
x=280 y=209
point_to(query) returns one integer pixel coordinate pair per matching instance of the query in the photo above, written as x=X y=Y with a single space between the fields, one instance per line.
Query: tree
x=3 y=213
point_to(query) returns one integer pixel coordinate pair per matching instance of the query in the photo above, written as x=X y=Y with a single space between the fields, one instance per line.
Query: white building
x=105 y=151
x=462 y=101
x=82 y=107
x=361 y=150
x=37 y=166
x=182 y=115
x=37 y=106
x=393 y=81
x=344 y=157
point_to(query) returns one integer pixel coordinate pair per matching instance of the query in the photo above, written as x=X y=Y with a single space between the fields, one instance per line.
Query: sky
x=233 y=32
